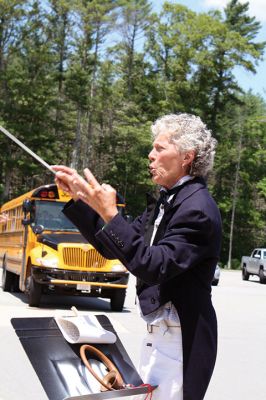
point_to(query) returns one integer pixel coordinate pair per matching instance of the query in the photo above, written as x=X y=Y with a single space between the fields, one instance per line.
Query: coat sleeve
x=89 y=223
x=184 y=245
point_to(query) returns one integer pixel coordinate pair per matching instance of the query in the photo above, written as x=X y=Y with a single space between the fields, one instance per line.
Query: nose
x=151 y=155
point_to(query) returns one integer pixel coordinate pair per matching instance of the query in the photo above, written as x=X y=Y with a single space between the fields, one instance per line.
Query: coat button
x=163 y=269
x=153 y=301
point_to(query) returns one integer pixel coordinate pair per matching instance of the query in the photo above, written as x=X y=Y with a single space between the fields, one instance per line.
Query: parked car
x=254 y=265
x=216 y=276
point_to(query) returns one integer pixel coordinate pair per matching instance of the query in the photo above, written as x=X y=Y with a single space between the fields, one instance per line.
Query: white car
x=216 y=277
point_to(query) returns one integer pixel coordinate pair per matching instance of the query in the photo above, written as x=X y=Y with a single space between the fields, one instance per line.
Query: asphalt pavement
x=241 y=364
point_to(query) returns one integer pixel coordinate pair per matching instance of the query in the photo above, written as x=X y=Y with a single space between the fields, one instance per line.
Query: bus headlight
x=118 y=268
x=49 y=262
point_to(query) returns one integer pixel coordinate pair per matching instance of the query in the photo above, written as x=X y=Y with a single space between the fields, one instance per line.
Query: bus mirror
x=25 y=221
x=37 y=229
x=27 y=206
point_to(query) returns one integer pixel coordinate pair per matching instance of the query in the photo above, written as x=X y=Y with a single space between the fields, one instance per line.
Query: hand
x=64 y=179
x=102 y=198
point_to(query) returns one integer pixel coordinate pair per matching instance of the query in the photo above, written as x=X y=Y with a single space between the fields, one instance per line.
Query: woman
x=172 y=248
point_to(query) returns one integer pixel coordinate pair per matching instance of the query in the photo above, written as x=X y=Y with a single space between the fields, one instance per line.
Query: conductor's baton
x=24 y=147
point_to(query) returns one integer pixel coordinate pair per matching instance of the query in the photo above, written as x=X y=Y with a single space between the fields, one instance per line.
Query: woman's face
x=167 y=164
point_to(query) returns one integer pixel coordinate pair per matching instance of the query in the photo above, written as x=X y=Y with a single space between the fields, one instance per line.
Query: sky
x=257 y=8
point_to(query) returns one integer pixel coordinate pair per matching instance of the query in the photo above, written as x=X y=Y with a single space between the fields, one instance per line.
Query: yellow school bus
x=41 y=251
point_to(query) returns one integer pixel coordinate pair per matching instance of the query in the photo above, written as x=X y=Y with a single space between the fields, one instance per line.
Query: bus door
x=41 y=216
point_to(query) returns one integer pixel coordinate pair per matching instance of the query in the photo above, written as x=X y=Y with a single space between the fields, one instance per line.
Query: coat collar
x=188 y=189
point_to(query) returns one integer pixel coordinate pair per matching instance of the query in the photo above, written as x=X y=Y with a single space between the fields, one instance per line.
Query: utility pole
x=235 y=193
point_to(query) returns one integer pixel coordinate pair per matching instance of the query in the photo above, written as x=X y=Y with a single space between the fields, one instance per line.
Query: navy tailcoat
x=179 y=266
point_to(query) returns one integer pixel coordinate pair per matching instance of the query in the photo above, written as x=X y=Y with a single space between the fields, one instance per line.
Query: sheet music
x=84 y=329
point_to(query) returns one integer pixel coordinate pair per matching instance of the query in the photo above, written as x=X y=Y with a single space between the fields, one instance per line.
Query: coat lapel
x=151 y=207
x=185 y=191
x=188 y=189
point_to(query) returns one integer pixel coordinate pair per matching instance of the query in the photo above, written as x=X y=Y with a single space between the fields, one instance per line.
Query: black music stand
x=60 y=369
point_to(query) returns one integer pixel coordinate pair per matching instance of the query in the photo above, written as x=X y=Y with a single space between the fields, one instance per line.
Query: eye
x=159 y=148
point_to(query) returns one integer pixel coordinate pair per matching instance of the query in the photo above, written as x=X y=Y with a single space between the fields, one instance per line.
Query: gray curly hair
x=188 y=132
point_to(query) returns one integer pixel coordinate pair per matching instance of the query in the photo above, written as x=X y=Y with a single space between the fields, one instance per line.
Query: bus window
x=49 y=215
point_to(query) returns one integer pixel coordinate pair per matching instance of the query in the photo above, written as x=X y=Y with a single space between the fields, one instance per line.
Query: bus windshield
x=49 y=215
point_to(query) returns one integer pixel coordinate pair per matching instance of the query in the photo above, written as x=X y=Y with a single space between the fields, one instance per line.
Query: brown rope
x=113 y=379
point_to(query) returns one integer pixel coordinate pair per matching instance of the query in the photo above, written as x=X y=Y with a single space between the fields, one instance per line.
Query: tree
x=95 y=20
x=232 y=45
x=74 y=96
x=102 y=18
x=240 y=168
x=29 y=96
x=60 y=26
x=133 y=23
x=11 y=18
x=171 y=49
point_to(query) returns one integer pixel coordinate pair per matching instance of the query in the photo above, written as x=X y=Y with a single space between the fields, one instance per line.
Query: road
x=241 y=362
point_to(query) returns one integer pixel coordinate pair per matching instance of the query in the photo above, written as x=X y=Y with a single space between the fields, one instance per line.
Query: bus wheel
x=7 y=279
x=118 y=299
x=35 y=292
x=16 y=288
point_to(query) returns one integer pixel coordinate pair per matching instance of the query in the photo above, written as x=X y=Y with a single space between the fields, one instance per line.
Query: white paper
x=84 y=329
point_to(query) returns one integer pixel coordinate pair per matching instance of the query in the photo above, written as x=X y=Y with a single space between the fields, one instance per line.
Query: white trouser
x=161 y=363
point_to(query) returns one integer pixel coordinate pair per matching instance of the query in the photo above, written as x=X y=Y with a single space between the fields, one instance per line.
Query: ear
x=188 y=158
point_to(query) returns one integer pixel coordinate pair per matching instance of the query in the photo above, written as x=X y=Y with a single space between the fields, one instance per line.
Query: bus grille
x=75 y=257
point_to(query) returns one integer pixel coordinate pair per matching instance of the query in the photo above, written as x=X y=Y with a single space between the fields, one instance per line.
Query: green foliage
x=235 y=264
x=81 y=83
x=261 y=186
